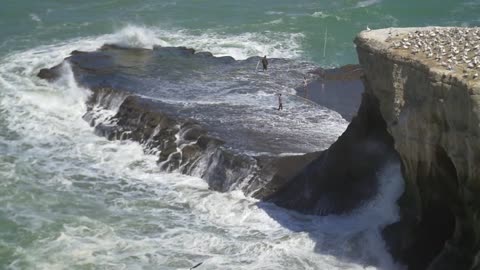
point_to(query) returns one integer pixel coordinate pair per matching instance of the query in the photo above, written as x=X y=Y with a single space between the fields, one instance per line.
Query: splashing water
x=72 y=200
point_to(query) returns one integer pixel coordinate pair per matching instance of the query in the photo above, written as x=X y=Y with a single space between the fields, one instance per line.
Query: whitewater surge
x=367 y=3
x=275 y=45
x=72 y=200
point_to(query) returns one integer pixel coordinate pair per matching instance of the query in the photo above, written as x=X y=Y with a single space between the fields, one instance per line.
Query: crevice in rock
x=433 y=231
x=437 y=223
x=421 y=235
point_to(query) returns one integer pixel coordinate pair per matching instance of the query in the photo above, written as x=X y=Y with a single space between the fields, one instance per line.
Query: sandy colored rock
x=432 y=112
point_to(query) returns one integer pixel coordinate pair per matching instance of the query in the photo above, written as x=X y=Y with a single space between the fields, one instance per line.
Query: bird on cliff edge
x=368 y=28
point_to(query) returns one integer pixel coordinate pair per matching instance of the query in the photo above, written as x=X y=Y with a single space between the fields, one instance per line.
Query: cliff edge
x=428 y=91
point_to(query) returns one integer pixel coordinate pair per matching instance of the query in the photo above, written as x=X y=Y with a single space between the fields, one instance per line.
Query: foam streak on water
x=72 y=200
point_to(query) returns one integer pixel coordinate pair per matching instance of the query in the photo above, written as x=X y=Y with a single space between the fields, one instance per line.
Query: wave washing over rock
x=76 y=200
x=216 y=118
x=212 y=117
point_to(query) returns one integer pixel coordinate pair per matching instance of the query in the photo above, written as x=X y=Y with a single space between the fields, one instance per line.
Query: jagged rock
x=49 y=74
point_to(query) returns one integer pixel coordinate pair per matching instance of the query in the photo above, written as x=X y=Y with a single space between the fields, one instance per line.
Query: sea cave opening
x=437 y=224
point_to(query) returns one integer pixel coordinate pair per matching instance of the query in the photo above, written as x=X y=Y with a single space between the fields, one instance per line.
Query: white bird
x=368 y=28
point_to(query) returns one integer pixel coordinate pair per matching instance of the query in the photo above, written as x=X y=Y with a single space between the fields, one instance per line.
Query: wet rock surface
x=228 y=97
x=339 y=89
x=347 y=174
x=212 y=117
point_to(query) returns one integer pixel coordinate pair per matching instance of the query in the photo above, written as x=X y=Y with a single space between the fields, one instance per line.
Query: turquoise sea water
x=298 y=26
x=72 y=200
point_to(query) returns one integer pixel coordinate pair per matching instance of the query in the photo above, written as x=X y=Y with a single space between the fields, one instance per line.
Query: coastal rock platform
x=212 y=117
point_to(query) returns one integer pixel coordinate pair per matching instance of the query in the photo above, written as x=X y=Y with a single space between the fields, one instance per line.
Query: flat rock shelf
x=213 y=117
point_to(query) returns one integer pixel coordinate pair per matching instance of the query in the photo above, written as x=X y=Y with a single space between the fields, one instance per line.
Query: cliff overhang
x=426 y=83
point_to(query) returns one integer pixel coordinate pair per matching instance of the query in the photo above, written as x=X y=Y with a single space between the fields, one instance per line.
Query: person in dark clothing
x=305 y=84
x=264 y=63
x=280 y=104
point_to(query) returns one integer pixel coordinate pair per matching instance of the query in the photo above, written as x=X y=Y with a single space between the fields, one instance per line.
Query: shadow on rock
x=337 y=190
x=345 y=175
x=354 y=237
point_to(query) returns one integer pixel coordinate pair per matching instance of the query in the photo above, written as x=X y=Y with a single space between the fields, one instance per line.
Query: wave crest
x=241 y=46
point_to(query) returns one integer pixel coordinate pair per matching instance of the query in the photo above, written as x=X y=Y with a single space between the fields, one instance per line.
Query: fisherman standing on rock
x=264 y=63
x=305 y=84
x=280 y=104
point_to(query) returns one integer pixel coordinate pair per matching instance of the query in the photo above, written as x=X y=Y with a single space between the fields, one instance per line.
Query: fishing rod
x=197 y=265
x=325 y=42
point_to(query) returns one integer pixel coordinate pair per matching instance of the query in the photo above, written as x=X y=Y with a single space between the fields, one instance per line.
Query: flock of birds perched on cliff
x=453 y=48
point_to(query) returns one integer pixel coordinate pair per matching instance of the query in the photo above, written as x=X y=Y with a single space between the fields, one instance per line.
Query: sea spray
x=241 y=46
x=82 y=201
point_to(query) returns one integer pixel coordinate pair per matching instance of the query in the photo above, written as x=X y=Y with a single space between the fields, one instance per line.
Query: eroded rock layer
x=431 y=109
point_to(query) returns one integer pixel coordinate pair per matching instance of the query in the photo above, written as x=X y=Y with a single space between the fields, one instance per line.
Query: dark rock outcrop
x=49 y=74
x=184 y=145
x=140 y=95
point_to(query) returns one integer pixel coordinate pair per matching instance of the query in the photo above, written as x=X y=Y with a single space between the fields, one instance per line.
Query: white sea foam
x=323 y=15
x=92 y=203
x=367 y=3
x=35 y=17
x=277 y=21
x=137 y=37
x=319 y=14
x=275 y=45
x=274 y=12
x=239 y=46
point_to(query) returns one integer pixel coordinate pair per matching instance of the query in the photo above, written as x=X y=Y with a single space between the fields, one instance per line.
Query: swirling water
x=72 y=200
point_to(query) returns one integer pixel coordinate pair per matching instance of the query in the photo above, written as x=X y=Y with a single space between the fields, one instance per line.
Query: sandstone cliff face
x=433 y=116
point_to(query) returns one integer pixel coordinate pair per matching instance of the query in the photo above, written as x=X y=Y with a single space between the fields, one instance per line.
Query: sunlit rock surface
x=431 y=108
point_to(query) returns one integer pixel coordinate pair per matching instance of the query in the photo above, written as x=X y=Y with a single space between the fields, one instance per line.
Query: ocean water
x=72 y=200
x=278 y=28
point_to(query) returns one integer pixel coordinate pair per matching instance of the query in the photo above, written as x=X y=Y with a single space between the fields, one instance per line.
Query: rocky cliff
x=425 y=83
x=420 y=105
